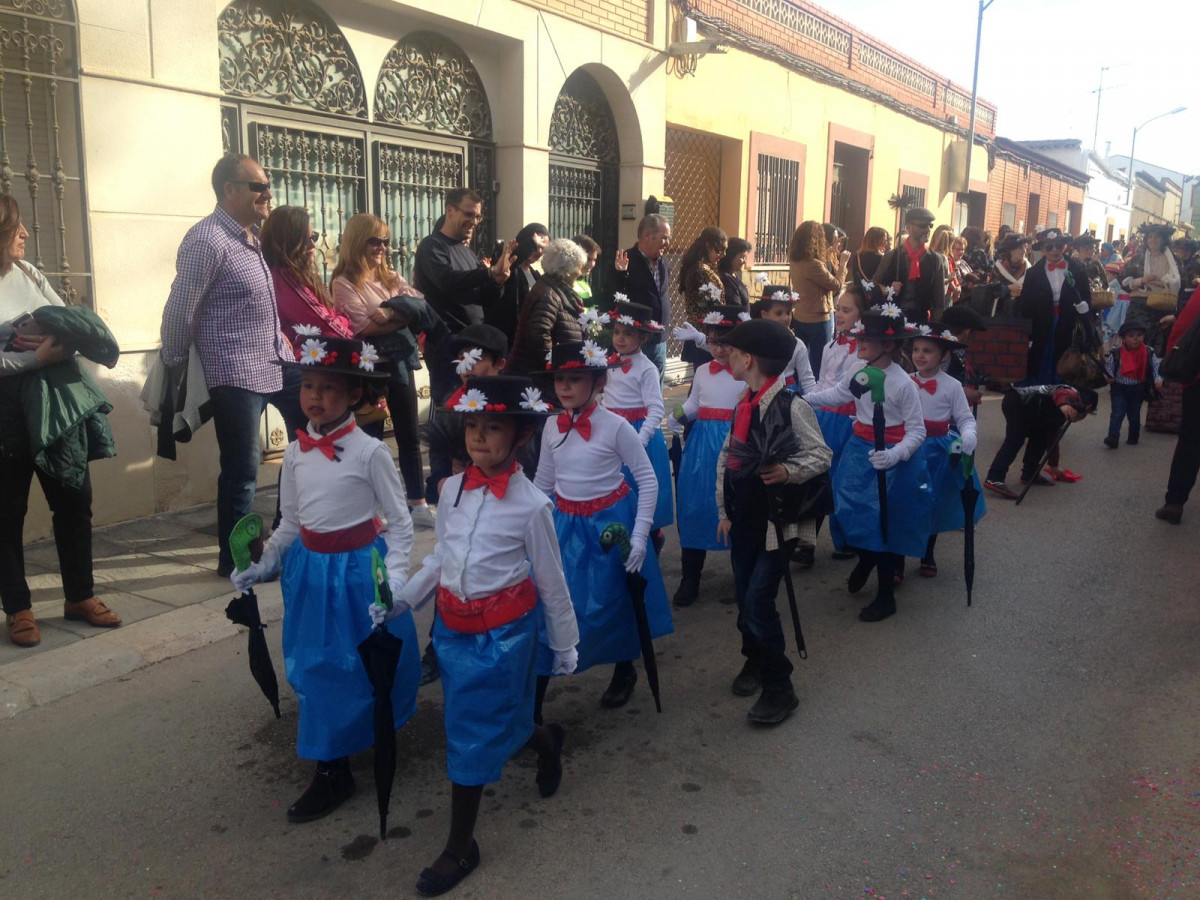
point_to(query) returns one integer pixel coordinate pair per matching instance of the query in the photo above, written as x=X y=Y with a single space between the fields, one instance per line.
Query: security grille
x=778 y=188
x=914 y=195
x=411 y=184
x=693 y=181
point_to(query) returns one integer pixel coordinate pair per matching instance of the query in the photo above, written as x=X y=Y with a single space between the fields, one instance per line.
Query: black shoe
x=804 y=557
x=1111 y=441
x=749 y=680
x=859 y=576
x=434 y=884
x=224 y=570
x=688 y=593
x=999 y=487
x=1132 y=439
x=549 y=770
x=772 y=707
x=841 y=553
x=430 y=672
x=620 y=689
x=1170 y=512
x=878 y=610
x=331 y=786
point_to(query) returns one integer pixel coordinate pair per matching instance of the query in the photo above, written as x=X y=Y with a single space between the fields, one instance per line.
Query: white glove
x=380 y=614
x=1081 y=307
x=688 y=332
x=968 y=443
x=884 y=459
x=674 y=425
x=244 y=580
x=565 y=661
x=637 y=553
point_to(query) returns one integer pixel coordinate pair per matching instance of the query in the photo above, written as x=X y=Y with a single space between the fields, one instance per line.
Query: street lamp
x=1133 y=146
x=975 y=92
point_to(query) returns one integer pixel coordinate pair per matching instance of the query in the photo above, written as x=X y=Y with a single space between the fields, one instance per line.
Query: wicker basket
x=1102 y=299
x=1163 y=301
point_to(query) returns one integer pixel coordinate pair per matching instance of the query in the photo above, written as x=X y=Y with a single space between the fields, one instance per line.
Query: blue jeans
x=658 y=356
x=757 y=573
x=236 y=415
x=1127 y=400
x=815 y=336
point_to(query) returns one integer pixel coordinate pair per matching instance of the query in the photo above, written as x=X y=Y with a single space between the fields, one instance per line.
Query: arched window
x=40 y=151
x=584 y=161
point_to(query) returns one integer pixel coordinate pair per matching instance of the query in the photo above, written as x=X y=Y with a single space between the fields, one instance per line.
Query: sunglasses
x=1059 y=245
x=258 y=187
x=377 y=242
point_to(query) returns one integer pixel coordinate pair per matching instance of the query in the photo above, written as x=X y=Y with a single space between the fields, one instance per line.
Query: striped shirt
x=223 y=301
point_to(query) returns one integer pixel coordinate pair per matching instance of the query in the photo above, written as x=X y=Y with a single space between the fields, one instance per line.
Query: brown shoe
x=93 y=611
x=23 y=629
x=1171 y=512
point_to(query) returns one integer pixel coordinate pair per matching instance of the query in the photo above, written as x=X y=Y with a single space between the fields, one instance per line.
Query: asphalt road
x=1041 y=744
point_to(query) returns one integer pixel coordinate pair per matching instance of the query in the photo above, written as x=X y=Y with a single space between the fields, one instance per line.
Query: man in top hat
x=916 y=275
x=1055 y=294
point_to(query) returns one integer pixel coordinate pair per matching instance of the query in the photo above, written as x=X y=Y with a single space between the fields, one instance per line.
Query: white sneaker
x=423 y=516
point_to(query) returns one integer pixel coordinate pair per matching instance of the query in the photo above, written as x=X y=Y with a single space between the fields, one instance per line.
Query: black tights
x=885 y=566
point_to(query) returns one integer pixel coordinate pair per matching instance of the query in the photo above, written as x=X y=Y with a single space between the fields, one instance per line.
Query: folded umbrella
x=970 y=496
x=245 y=542
x=617 y=535
x=872 y=379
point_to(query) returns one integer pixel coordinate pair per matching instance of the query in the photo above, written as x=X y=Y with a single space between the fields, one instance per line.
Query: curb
x=46 y=677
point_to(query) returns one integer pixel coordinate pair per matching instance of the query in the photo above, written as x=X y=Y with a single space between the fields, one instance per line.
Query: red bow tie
x=325 y=443
x=1061 y=264
x=930 y=385
x=626 y=364
x=714 y=367
x=583 y=425
x=497 y=484
x=850 y=343
x=455 y=397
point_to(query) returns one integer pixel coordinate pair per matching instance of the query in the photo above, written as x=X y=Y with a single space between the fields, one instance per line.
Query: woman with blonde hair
x=362 y=280
x=811 y=278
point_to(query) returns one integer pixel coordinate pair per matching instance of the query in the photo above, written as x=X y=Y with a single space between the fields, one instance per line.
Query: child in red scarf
x=1132 y=370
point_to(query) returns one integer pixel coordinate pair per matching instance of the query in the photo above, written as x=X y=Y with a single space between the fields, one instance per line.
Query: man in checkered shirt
x=223 y=301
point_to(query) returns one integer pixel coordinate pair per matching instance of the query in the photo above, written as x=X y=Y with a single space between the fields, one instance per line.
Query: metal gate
x=693 y=181
x=411 y=184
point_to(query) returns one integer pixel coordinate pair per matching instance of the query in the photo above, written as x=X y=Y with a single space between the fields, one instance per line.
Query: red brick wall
x=930 y=94
x=1011 y=182
x=626 y=17
x=1000 y=353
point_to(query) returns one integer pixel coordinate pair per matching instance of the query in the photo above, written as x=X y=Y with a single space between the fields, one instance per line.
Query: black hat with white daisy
x=939 y=333
x=779 y=293
x=723 y=318
x=579 y=357
x=504 y=395
x=317 y=352
x=633 y=315
x=884 y=323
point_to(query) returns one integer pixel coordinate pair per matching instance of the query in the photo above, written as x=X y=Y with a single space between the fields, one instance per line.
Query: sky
x=1040 y=62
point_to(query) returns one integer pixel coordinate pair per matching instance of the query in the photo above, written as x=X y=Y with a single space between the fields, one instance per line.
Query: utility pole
x=975 y=92
x=1099 y=91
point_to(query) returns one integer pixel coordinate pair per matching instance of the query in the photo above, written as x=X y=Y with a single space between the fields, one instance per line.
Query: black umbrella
x=380 y=653
x=1045 y=458
x=970 y=496
x=245 y=543
x=617 y=535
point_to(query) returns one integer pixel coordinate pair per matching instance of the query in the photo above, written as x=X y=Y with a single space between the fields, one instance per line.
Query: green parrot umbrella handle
x=383 y=590
x=245 y=541
x=246 y=545
x=871 y=380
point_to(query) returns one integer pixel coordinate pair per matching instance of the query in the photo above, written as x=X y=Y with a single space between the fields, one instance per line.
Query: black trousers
x=1186 y=461
x=72 y=520
x=1015 y=434
x=402 y=404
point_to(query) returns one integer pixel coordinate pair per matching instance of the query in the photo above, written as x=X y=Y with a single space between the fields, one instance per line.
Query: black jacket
x=735 y=291
x=918 y=299
x=638 y=284
x=503 y=314
x=1037 y=408
x=1037 y=304
x=457 y=285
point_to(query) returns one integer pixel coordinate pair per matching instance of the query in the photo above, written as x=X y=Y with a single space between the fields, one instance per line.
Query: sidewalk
x=160 y=575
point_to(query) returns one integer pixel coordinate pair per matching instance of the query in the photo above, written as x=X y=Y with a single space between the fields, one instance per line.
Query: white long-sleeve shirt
x=581 y=470
x=324 y=495
x=486 y=544
x=901 y=406
x=22 y=290
x=640 y=387
x=799 y=370
x=837 y=362
x=711 y=390
x=948 y=404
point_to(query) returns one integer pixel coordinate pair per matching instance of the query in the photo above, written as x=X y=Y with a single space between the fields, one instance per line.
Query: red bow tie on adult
x=626 y=364
x=714 y=367
x=930 y=385
x=324 y=443
x=1061 y=264
x=497 y=484
x=583 y=425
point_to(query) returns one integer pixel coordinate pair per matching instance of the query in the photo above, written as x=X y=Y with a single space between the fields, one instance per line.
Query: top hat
x=723 y=317
x=633 y=315
x=939 y=333
x=762 y=337
x=918 y=215
x=580 y=356
x=508 y=395
x=884 y=323
x=962 y=316
x=1011 y=241
x=1051 y=235
x=344 y=356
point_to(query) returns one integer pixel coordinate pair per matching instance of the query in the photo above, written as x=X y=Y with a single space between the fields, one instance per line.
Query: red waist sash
x=936 y=429
x=709 y=412
x=846 y=409
x=630 y=415
x=590 y=507
x=893 y=434
x=343 y=541
x=485 y=613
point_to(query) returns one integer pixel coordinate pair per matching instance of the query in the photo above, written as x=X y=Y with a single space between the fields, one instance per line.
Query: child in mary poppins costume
x=335 y=481
x=709 y=407
x=634 y=392
x=762 y=506
x=1132 y=370
x=856 y=485
x=1034 y=414
x=948 y=421
x=495 y=542
x=583 y=453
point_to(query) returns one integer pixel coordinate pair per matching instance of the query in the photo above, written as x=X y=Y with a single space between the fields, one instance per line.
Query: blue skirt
x=488 y=682
x=596 y=580
x=837 y=429
x=698 y=514
x=325 y=600
x=947 y=483
x=856 y=501
x=664 y=509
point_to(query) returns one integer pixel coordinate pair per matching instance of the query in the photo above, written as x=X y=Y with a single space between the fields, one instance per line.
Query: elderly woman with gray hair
x=550 y=313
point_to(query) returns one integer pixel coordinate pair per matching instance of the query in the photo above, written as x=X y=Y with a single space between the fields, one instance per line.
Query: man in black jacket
x=1055 y=294
x=647 y=280
x=915 y=273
